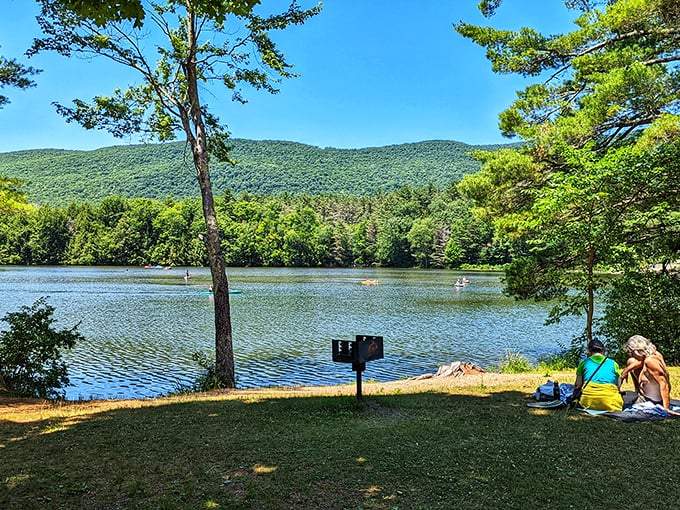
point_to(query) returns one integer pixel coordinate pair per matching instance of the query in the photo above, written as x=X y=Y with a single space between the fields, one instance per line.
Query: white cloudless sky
x=372 y=73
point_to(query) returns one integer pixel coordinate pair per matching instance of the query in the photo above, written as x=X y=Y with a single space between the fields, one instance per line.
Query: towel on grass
x=645 y=411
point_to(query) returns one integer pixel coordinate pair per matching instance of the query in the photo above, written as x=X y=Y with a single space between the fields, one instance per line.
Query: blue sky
x=373 y=73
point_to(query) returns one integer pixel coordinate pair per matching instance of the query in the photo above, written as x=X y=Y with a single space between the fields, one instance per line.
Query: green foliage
x=12 y=197
x=648 y=304
x=597 y=184
x=14 y=74
x=534 y=278
x=564 y=360
x=30 y=352
x=208 y=380
x=102 y=11
x=59 y=177
x=614 y=73
x=406 y=227
x=422 y=236
x=514 y=363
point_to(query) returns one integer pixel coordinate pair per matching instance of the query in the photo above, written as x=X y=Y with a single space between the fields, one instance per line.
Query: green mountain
x=59 y=177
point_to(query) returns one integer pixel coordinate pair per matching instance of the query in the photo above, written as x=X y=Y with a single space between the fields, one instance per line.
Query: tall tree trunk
x=224 y=351
x=197 y=138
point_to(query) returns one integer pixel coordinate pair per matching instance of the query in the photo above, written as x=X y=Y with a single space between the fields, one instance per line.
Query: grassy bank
x=435 y=444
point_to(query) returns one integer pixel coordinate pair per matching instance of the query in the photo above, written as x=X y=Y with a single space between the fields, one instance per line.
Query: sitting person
x=647 y=368
x=599 y=384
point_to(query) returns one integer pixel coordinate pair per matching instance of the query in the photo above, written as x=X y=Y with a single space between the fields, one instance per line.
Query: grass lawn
x=469 y=443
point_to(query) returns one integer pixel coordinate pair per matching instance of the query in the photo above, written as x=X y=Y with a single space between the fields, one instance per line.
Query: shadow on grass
x=425 y=450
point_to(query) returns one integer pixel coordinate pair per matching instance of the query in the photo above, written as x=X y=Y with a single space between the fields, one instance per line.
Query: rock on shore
x=455 y=369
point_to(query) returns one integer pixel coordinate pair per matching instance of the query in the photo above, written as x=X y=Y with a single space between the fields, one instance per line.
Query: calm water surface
x=143 y=325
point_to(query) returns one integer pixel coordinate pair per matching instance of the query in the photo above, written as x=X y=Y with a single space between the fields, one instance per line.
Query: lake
x=143 y=325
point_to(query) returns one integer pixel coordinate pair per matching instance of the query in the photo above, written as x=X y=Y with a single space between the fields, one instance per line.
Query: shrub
x=514 y=363
x=30 y=352
x=564 y=360
x=210 y=379
x=645 y=304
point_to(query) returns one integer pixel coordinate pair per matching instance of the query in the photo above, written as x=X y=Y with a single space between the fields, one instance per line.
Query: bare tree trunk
x=590 y=312
x=197 y=138
x=224 y=351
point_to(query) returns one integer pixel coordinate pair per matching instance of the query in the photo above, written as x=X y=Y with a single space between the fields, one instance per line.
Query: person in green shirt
x=600 y=379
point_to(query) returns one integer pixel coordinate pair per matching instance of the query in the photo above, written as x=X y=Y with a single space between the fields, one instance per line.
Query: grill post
x=363 y=349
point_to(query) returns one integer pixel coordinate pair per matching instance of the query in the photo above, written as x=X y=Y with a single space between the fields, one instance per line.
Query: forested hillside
x=60 y=177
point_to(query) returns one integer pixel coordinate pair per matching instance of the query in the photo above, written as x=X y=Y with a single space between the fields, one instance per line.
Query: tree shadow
x=425 y=450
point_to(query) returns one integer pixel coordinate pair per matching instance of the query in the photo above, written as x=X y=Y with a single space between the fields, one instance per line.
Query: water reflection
x=143 y=325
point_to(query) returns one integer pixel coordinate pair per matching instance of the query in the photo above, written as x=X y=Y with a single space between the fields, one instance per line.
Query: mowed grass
x=436 y=444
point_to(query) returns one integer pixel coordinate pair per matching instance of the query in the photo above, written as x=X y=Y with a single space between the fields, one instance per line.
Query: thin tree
x=177 y=47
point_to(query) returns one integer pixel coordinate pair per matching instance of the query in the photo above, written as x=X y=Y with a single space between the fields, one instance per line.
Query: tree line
x=411 y=227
